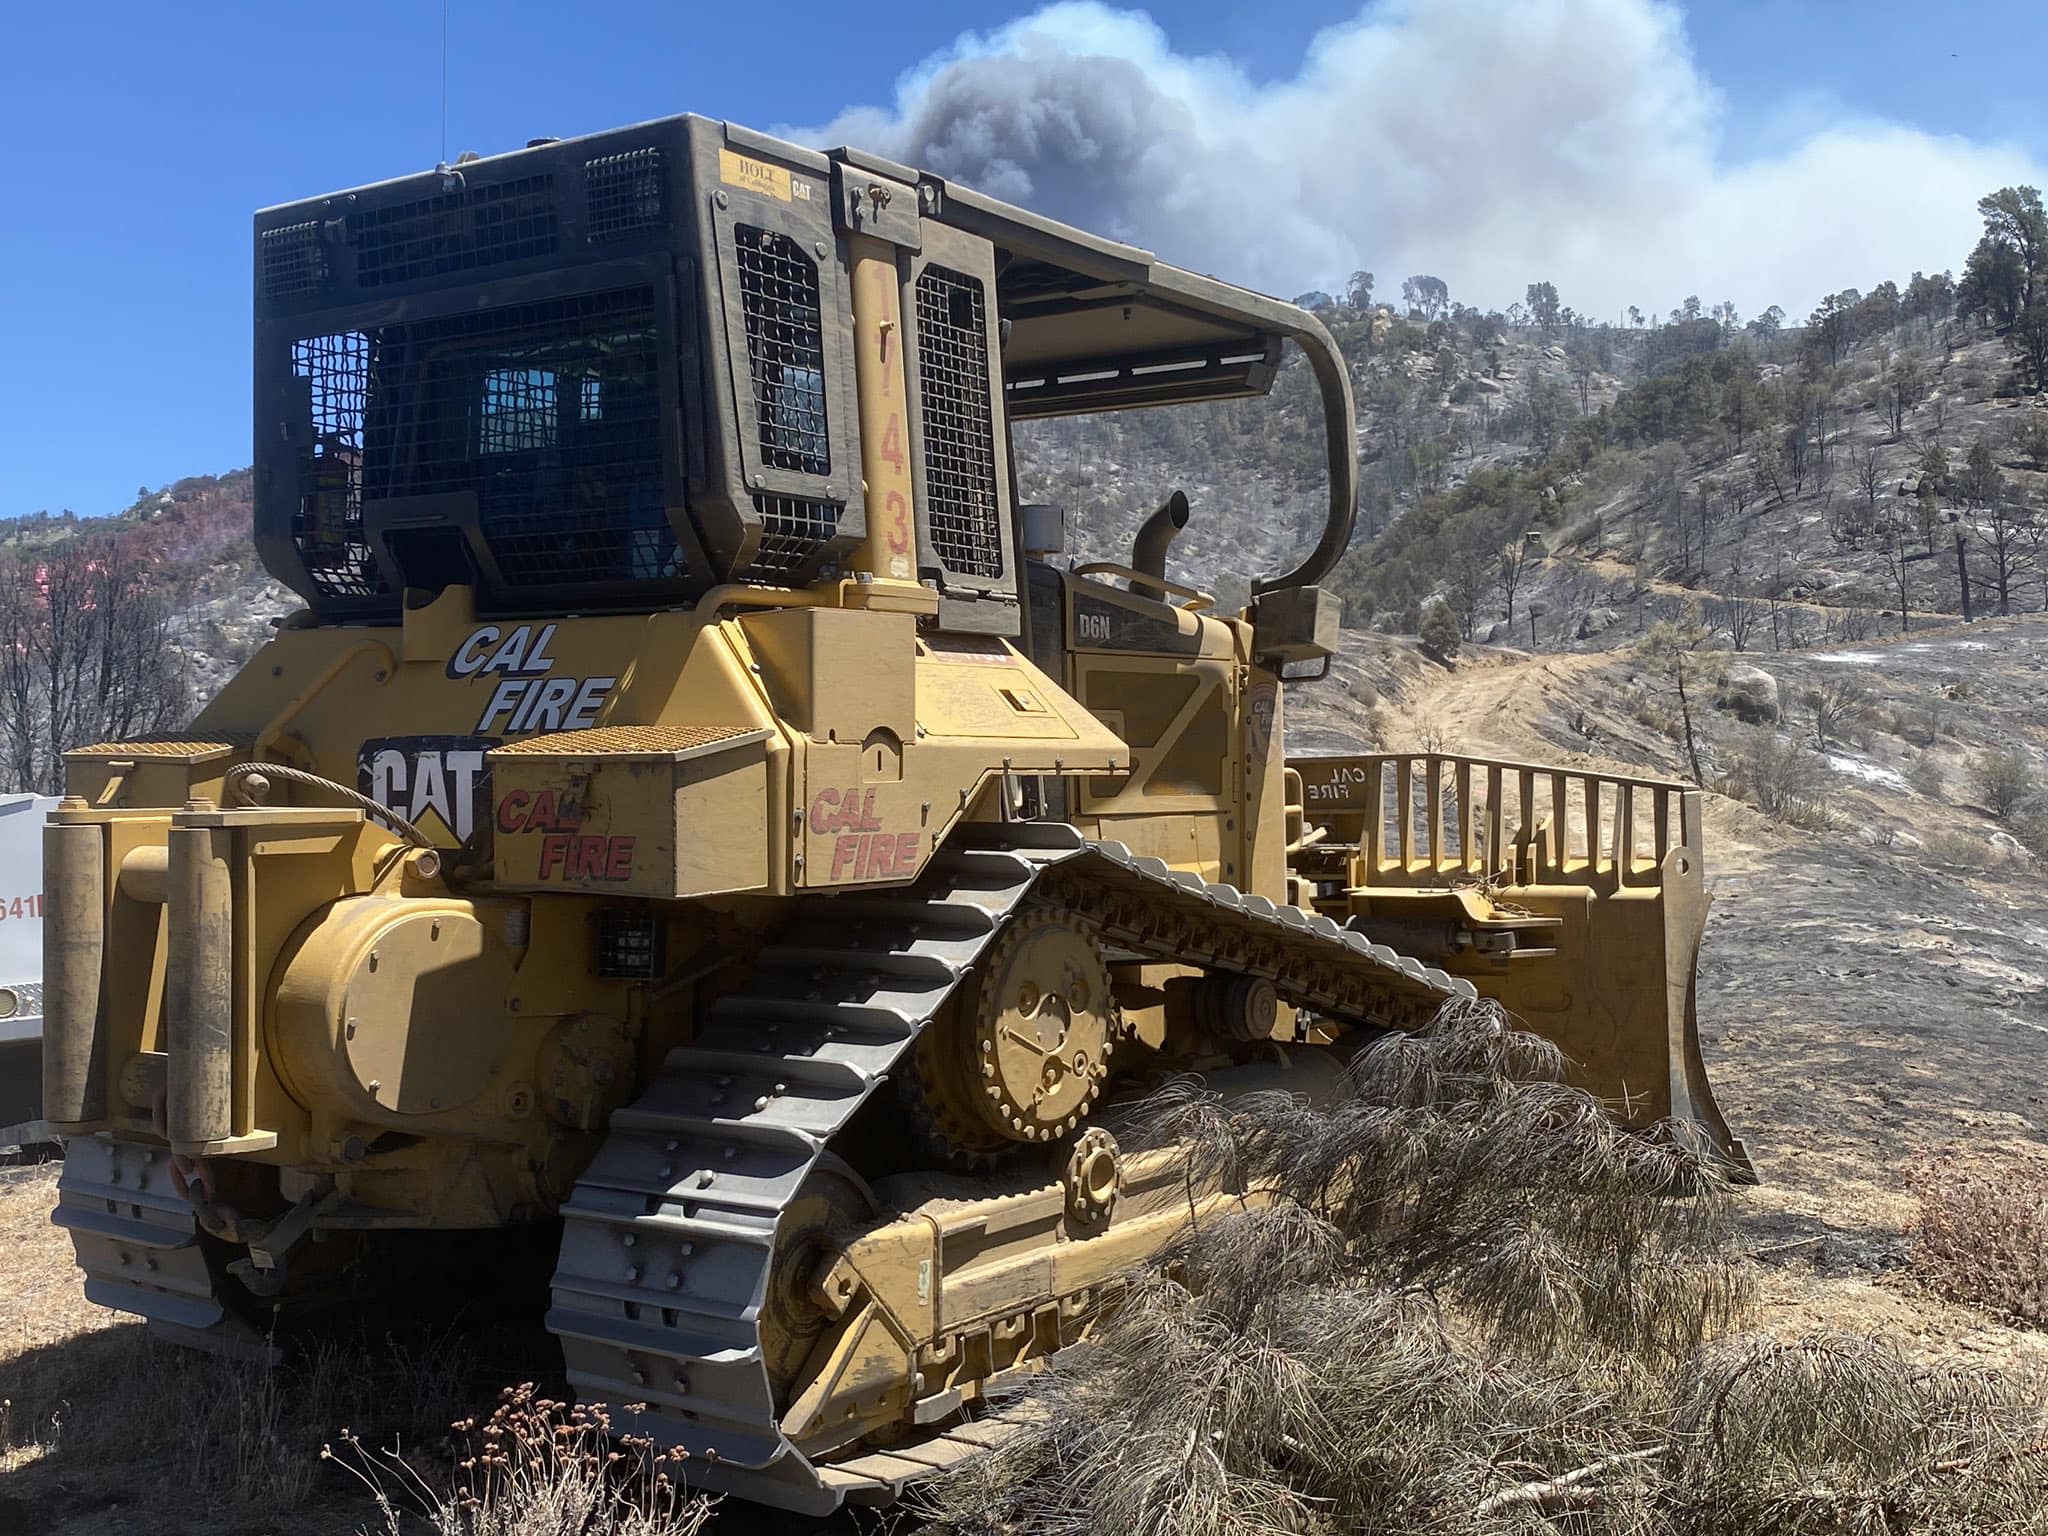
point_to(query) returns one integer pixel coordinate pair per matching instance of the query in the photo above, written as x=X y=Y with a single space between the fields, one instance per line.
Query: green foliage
x=1680 y=651
x=2004 y=781
x=1440 y=632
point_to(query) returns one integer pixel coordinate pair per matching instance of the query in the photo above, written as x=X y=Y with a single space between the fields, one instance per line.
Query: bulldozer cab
x=622 y=371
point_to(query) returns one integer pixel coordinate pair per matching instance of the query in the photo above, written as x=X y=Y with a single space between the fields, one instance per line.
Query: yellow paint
x=891 y=547
x=750 y=175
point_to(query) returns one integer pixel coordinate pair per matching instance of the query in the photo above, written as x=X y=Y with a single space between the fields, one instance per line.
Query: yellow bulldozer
x=693 y=813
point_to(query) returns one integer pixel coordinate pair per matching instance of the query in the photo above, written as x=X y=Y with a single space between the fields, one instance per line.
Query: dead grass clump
x=238 y=1434
x=1962 y=850
x=1982 y=1236
x=1784 y=779
x=535 y=1467
x=1464 y=1278
x=1420 y=1334
x=1836 y=1434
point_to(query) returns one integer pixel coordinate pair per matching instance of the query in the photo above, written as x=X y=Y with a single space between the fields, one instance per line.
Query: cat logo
x=438 y=783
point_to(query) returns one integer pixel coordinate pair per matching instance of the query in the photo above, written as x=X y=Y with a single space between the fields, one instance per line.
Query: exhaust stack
x=1148 y=549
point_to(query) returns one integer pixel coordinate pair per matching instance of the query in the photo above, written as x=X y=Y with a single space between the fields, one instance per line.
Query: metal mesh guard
x=327 y=525
x=959 y=424
x=294 y=261
x=785 y=348
x=458 y=231
x=793 y=529
x=550 y=414
x=626 y=193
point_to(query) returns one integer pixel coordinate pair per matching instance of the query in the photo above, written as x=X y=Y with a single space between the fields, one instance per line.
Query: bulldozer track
x=669 y=1235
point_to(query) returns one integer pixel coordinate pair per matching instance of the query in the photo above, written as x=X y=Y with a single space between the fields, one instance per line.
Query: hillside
x=1551 y=482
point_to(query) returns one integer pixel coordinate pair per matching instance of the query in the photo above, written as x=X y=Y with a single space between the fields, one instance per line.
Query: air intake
x=460 y=231
x=625 y=194
x=294 y=261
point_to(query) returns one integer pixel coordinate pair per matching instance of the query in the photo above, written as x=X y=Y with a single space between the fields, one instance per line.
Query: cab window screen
x=785 y=349
x=550 y=413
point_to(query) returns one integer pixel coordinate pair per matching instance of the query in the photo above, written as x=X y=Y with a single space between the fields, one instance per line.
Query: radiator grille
x=625 y=194
x=294 y=261
x=458 y=231
x=785 y=349
x=327 y=528
x=628 y=944
x=961 y=510
x=550 y=413
x=793 y=529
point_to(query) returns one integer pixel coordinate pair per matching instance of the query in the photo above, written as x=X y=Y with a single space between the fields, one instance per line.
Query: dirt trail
x=1865 y=1001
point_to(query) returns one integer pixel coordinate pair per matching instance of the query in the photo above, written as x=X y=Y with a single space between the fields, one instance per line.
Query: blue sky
x=144 y=136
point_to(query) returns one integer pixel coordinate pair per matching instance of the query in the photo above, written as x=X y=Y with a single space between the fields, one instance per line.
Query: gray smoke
x=1491 y=144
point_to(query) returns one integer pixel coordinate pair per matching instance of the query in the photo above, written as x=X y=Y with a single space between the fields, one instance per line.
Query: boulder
x=1749 y=693
x=2008 y=845
x=1485 y=386
x=1597 y=621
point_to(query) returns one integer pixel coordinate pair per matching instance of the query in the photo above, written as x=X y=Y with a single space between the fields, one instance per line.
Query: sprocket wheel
x=1023 y=1057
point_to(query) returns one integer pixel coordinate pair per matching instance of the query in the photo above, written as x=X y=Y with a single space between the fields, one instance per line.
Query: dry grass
x=1982 y=1235
x=106 y=1428
x=1473 y=1308
x=535 y=1467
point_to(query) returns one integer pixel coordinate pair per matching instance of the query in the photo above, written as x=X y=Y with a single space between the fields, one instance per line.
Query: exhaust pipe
x=1148 y=549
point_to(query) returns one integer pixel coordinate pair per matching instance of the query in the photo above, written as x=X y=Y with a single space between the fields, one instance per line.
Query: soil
x=1871 y=995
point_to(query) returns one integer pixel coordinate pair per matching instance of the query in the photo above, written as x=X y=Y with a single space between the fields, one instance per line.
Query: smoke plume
x=1490 y=144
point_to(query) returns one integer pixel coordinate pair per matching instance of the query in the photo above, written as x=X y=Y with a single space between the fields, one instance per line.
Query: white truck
x=21 y=968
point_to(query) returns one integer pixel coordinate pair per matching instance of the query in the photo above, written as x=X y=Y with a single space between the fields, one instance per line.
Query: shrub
x=1982 y=1235
x=1784 y=779
x=1841 y=711
x=2003 y=780
x=1439 y=632
x=535 y=1467
x=1927 y=776
x=1961 y=850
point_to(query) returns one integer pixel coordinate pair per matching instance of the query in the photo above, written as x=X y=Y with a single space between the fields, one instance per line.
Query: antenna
x=444 y=82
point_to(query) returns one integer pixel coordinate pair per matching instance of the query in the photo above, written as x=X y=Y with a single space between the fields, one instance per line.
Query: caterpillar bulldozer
x=695 y=817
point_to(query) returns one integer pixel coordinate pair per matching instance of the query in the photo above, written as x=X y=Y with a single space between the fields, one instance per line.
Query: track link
x=139 y=1245
x=669 y=1236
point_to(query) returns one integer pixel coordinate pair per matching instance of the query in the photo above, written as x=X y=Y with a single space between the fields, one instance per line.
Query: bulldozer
x=697 y=817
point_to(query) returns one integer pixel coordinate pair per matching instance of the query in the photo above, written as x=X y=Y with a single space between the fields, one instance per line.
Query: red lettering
x=511 y=809
x=907 y=844
x=589 y=864
x=542 y=817
x=553 y=849
x=843 y=850
x=881 y=856
x=892 y=442
x=618 y=864
x=822 y=809
x=896 y=513
x=867 y=821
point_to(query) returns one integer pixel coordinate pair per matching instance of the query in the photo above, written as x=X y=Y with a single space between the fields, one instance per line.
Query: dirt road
x=1864 y=1003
